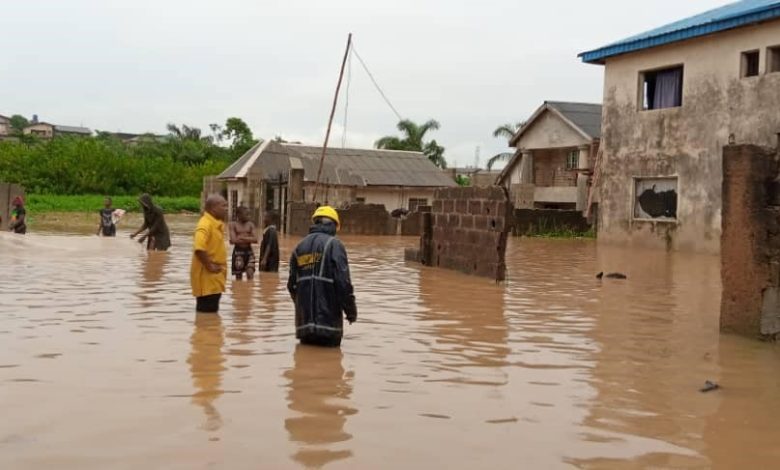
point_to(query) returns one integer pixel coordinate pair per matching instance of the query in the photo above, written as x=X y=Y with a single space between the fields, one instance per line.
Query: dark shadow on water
x=318 y=392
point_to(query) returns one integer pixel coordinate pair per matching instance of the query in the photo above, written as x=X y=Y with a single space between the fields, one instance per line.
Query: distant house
x=5 y=127
x=261 y=178
x=673 y=97
x=556 y=148
x=46 y=130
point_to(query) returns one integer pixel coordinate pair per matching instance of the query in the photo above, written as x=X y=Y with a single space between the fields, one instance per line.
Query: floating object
x=116 y=215
x=611 y=275
x=709 y=386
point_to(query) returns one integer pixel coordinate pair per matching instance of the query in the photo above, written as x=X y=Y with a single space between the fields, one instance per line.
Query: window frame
x=744 y=63
x=634 y=200
x=641 y=92
x=773 y=59
x=420 y=201
x=575 y=155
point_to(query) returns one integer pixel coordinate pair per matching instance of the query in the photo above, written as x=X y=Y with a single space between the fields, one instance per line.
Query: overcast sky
x=472 y=65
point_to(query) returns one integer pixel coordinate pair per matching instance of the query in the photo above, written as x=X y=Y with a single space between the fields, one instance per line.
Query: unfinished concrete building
x=673 y=98
x=556 y=148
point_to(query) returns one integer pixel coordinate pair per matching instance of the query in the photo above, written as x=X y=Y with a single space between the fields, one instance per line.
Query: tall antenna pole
x=330 y=121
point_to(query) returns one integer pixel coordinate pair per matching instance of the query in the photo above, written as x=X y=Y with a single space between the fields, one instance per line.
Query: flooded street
x=106 y=365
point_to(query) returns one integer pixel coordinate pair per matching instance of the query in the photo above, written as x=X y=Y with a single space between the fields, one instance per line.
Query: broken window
x=573 y=160
x=750 y=64
x=414 y=203
x=662 y=88
x=655 y=198
x=773 y=59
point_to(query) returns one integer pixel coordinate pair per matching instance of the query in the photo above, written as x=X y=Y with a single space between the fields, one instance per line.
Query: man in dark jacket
x=319 y=283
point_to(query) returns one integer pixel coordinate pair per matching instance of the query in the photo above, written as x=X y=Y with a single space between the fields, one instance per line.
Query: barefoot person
x=242 y=236
x=157 y=237
x=208 y=271
x=269 y=247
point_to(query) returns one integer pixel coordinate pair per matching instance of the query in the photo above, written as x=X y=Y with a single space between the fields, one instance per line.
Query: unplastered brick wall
x=750 y=242
x=467 y=231
x=358 y=219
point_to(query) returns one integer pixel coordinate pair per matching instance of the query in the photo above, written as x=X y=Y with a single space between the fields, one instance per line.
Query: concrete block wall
x=467 y=231
x=750 y=242
x=358 y=219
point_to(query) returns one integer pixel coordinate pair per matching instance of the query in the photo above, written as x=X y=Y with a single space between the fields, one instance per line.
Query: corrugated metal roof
x=730 y=16
x=239 y=168
x=371 y=167
x=72 y=129
x=353 y=167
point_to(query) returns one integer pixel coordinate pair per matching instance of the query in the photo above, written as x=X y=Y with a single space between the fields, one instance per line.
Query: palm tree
x=186 y=132
x=505 y=131
x=503 y=156
x=413 y=140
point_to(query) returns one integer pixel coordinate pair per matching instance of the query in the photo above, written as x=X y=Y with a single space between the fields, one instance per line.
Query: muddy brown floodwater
x=106 y=365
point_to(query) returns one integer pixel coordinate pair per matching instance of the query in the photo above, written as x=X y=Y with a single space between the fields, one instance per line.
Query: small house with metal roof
x=673 y=97
x=47 y=130
x=270 y=174
x=556 y=147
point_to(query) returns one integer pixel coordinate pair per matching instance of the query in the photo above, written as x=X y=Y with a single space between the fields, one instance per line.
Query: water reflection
x=269 y=285
x=468 y=325
x=206 y=366
x=152 y=270
x=644 y=408
x=318 y=391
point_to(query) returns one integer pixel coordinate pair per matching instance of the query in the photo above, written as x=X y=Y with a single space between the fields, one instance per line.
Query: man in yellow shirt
x=209 y=258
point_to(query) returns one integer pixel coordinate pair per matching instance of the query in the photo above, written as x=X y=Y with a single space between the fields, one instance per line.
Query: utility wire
x=346 y=99
x=354 y=51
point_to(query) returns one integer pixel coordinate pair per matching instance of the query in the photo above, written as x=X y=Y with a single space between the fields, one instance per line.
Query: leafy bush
x=104 y=165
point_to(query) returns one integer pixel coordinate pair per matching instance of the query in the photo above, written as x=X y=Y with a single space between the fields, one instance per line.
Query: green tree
x=239 y=134
x=18 y=123
x=505 y=131
x=186 y=132
x=413 y=140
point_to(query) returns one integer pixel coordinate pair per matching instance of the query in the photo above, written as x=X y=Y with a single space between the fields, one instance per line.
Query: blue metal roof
x=726 y=17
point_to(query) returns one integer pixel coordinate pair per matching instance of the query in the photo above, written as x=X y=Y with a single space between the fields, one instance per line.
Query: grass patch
x=546 y=228
x=41 y=203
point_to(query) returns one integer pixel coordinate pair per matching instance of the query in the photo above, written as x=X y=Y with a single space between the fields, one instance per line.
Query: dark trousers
x=208 y=303
x=321 y=342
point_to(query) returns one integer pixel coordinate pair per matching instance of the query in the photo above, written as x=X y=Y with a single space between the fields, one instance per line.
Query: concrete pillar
x=527 y=167
x=296 y=185
x=582 y=178
x=584 y=160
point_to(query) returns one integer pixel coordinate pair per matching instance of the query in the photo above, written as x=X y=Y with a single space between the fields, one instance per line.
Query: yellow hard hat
x=326 y=211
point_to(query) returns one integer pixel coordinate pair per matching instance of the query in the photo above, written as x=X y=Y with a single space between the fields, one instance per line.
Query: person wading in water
x=242 y=235
x=269 y=247
x=319 y=283
x=107 y=227
x=208 y=271
x=157 y=236
x=18 y=216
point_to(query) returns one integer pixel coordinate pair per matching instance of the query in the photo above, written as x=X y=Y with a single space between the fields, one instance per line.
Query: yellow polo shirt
x=209 y=237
